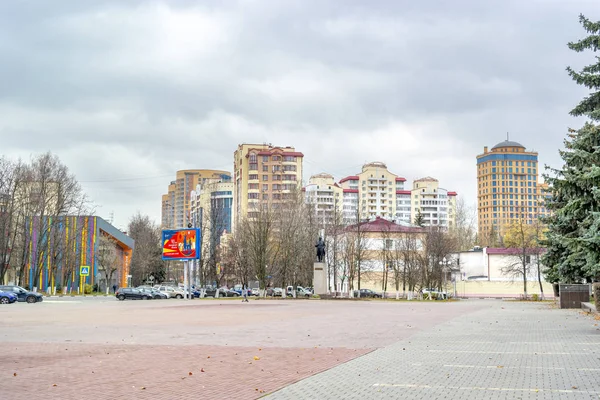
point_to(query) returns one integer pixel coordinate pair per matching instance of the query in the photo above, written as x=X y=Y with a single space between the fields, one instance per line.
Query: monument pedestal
x=320 y=278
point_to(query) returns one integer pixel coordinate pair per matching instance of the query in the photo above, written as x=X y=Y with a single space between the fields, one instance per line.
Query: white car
x=255 y=292
x=430 y=294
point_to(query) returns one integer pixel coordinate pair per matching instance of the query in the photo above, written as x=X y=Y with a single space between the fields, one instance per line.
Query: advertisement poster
x=181 y=244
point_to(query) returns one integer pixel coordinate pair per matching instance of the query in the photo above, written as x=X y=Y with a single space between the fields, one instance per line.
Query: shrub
x=87 y=289
x=596 y=290
x=535 y=297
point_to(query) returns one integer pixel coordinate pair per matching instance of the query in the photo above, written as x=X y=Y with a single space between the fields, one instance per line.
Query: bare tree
x=438 y=245
x=464 y=231
x=524 y=239
x=258 y=230
x=107 y=259
x=146 y=260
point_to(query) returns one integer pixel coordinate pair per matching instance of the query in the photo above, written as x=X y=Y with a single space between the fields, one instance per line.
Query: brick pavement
x=510 y=350
x=105 y=349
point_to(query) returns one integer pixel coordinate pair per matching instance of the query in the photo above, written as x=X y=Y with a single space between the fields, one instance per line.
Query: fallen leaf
x=55 y=385
x=208 y=357
x=143 y=388
x=15 y=374
x=190 y=374
x=257 y=358
x=202 y=370
x=574 y=387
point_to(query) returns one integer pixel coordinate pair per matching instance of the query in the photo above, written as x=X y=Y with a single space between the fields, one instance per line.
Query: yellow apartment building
x=176 y=204
x=507 y=186
x=263 y=173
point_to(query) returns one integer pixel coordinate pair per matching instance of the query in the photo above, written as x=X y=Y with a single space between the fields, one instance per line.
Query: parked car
x=433 y=294
x=7 y=297
x=275 y=292
x=152 y=292
x=132 y=294
x=367 y=293
x=211 y=292
x=195 y=293
x=171 y=291
x=255 y=292
x=231 y=293
x=300 y=292
x=22 y=294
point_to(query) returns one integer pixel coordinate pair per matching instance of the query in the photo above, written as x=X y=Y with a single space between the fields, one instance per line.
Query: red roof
x=278 y=152
x=383 y=225
x=512 y=251
x=451 y=193
x=402 y=191
x=399 y=179
x=349 y=178
x=350 y=190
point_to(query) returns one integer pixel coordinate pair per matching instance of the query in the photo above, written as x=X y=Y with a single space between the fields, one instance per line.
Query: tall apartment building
x=436 y=205
x=176 y=204
x=263 y=173
x=507 y=186
x=374 y=192
x=326 y=196
x=211 y=206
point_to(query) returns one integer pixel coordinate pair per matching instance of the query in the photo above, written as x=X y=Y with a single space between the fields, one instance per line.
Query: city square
x=97 y=347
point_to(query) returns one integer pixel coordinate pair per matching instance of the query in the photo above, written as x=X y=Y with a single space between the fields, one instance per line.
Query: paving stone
x=511 y=350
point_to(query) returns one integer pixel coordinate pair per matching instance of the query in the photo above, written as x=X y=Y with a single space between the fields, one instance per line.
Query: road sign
x=84 y=270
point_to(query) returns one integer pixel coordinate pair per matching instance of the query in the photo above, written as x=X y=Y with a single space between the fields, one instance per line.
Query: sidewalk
x=512 y=350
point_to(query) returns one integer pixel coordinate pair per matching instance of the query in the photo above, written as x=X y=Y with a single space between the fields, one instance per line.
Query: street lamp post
x=443 y=265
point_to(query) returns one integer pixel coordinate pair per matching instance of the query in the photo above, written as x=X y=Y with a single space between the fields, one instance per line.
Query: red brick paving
x=106 y=349
x=82 y=371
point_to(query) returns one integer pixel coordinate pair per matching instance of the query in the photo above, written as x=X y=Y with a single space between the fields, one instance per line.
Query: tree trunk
x=539 y=273
x=525 y=281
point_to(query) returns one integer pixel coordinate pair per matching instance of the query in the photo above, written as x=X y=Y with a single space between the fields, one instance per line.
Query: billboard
x=181 y=244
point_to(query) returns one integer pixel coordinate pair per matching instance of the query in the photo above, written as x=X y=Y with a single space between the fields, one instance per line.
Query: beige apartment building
x=374 y=192
x=176 y=204
x=436 y=205
x=263 y=174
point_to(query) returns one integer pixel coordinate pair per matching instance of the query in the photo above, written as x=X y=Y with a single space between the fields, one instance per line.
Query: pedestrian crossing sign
x=84 y=270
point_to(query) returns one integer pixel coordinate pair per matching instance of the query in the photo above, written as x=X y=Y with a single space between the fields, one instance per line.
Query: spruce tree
x=573 y=236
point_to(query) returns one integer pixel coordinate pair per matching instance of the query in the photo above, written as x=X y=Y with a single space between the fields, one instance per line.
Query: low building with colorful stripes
x=58 y=248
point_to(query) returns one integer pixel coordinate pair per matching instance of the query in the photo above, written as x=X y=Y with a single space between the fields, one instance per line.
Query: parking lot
x=73 y=348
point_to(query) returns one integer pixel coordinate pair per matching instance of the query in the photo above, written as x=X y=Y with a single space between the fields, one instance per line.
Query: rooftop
x=508 y=143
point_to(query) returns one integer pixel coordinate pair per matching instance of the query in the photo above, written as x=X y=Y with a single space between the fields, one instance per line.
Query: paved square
x=509 y=350
x=104 y=349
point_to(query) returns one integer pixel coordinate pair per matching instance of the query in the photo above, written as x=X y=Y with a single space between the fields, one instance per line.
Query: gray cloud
x=139 y=89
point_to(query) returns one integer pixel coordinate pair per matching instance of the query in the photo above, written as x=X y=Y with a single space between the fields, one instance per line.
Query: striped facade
x=59 y=246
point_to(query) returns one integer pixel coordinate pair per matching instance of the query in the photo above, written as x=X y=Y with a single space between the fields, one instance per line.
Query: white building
x=326 y=196
x=437 y=205
x=488 y=263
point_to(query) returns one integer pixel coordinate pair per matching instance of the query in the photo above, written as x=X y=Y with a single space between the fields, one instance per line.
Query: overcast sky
x=128 y=92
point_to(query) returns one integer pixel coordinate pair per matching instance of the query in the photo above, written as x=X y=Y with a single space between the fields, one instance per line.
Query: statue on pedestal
x=320 y=249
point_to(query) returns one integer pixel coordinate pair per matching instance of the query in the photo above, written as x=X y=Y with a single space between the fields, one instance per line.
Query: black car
x=22 y=294
x=132 y=294
x=366 y=293
x=153 y=292
x=210 y=292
